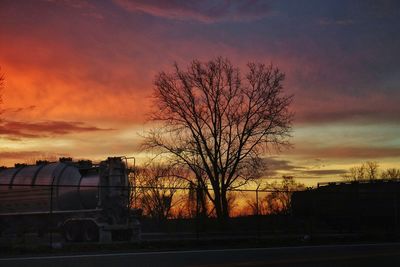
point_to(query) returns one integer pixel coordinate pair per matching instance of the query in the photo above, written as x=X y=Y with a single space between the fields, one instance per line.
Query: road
x=336 y=255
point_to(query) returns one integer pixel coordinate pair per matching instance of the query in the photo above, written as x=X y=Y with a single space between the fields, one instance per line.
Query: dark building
x=364 y=205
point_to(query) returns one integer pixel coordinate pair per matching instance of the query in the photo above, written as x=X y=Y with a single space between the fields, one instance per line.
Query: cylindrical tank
x=61 y=186
x=83 y=201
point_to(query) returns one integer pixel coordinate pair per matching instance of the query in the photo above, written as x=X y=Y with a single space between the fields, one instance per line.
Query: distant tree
x=391 y=174
x=157 y=186
x=257 y=205
x=372 y=170
x=279 y=200
x=197 y=203
x=218 y=122
x=366 y=171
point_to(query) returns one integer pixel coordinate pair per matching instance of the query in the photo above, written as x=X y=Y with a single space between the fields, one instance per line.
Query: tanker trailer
x=83 y=201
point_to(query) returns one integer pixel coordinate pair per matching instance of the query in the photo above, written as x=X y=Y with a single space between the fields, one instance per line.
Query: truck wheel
x=90 y=232
x=73 y=231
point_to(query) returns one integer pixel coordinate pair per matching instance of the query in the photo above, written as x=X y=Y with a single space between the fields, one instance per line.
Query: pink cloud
x=203 y=11
x=315 y=107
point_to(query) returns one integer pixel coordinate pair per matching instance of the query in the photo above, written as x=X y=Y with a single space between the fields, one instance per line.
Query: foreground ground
x=386 y=254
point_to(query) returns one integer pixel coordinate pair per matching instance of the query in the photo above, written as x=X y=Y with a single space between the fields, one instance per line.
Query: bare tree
x=197 y=204
x=367 y=171
x=157 y=186
x=372 y=168
x=218 y=122
x=391 y=174
x=355 y=173
x=255 y=204
x=255 y=207
x=280 y=199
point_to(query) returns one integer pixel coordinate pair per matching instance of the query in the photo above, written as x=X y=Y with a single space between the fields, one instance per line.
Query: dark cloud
x=323 y=172
x=205 y=11
x=374 y=108
x=341 y=22
x=19 y=109
x=16 y=129
x=349 y=152
x=274 y=165
x=347 y=116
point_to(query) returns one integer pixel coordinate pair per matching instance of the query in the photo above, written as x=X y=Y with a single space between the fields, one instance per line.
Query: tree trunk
x=218 y=204
x=201 y=203
x=221 y=208
x=225 y=205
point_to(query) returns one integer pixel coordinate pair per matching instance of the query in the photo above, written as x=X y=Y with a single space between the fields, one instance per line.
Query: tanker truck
x=83 y=201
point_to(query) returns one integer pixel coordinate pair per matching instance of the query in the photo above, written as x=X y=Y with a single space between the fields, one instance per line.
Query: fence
x=186 y=213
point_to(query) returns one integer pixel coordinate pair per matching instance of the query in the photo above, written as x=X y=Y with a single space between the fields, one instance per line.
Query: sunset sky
x=79 y=74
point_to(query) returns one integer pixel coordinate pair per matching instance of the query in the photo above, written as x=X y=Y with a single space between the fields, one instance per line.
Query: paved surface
x=342 y=255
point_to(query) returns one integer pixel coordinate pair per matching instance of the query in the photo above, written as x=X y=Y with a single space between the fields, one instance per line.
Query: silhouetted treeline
x=370 y=171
